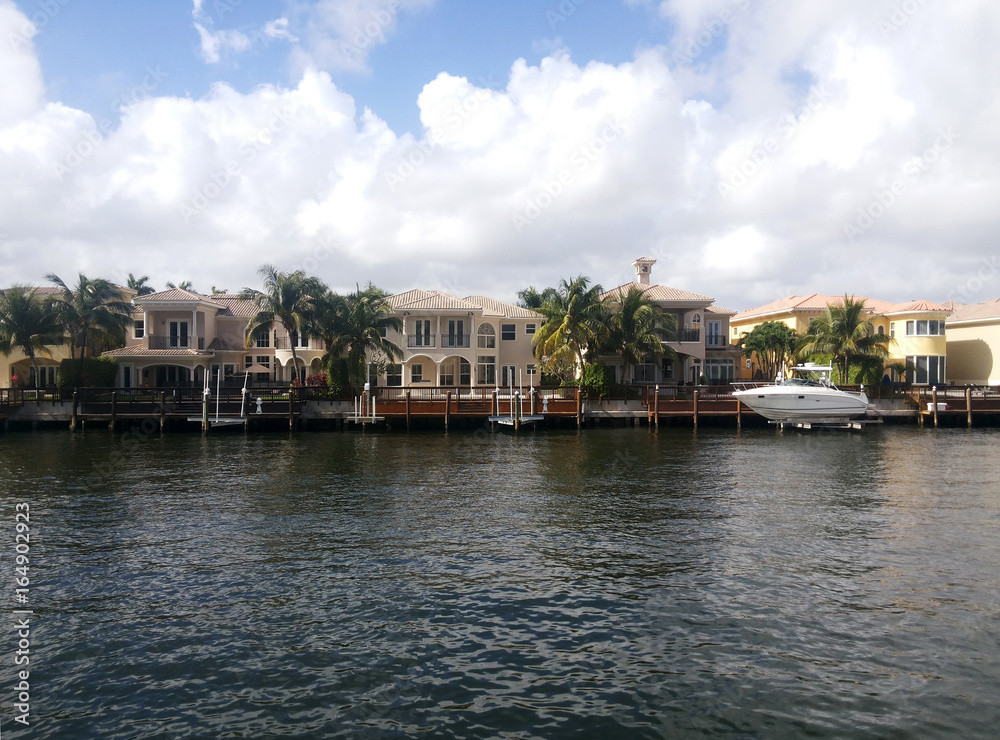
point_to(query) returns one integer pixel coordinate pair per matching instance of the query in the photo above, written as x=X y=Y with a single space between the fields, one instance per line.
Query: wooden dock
x=430 y=407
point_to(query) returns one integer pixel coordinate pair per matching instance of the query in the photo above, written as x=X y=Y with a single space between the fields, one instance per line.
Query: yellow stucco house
x=974 y=344
x=918 y=328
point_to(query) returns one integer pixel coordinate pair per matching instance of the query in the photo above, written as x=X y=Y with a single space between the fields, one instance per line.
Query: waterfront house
x=178 y=336
x=701 y=339
x=974 y=343
x=462 y=342
x=918 y=328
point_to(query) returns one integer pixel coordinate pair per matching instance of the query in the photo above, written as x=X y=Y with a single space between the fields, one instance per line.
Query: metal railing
x=455 y=340
x=172 y=342
x=420 y=340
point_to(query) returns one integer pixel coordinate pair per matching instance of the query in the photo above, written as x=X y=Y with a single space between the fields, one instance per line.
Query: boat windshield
x=800 y=381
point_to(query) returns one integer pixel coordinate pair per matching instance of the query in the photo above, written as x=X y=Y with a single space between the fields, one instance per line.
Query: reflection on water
x=611 y=583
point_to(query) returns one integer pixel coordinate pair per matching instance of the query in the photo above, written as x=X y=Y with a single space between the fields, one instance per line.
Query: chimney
x=643 y=267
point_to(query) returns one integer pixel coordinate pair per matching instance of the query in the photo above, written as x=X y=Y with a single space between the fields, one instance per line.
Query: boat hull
x=779 y=403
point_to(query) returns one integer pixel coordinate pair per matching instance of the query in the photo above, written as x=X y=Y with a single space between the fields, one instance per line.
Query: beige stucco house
x=974 y=343
x=466 y=342
x=702 y=337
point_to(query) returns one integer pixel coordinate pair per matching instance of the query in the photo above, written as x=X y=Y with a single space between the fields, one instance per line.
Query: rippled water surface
x=615 y=583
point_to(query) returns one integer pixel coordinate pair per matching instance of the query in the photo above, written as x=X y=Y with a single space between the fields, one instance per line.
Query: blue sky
x=755 y=148
x=95 y=52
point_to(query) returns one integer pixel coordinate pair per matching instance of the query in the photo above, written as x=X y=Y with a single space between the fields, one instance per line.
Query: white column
x=194 y=328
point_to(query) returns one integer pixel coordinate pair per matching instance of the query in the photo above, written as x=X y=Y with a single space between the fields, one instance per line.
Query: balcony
x=181 y=342
x=717 y=341
x=689 y=335
x=452 y=341
x=420 y=340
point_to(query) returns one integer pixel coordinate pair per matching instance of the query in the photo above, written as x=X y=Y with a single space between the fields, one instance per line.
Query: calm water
x=617 y=583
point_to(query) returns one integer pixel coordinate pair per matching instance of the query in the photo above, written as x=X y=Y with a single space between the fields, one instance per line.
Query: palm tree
x=28 y=324
x=288 y=299
x=139 y=285
x=771 y=344
x=531 y=298
x=575 y=320
x=92 y=311
x=356 y=325
x=637 y=329
x=185 y=285
x=846 y=334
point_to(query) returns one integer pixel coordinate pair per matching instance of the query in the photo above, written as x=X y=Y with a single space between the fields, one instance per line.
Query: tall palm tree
x=357 y=327
x=637 y=329
x=531 y=298
x=184 y=285
x=575 y=320
x=93 y=311
x=771 y=344
x=845 y=333
x=28 y=324
x=287 y=298
x=140 y=284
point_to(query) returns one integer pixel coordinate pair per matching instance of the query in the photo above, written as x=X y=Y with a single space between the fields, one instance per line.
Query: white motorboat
x=811 y=395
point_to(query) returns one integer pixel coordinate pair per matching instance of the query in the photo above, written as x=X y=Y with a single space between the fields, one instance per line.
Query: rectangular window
x=508 y=332
x=644 y=373
x=909 y=328
x=228 y=371
x=486 y=369
x=416 y=373
x=178 y=334
x=892 y=329
x=533 y=371
x=464 y=372
x=264 y=339
x=922 y=328
x=264 y=361
x=394 y=376
x=668 y=369
x=447 y=374
x=247 y=362
x=456 y=334
x=719 y=371
x=214 y=378
x=423 y=335
x=140 y=329
x=530 y=328
x=713 y=334
x=126 y=376
x=508 y=376
x=928 y=370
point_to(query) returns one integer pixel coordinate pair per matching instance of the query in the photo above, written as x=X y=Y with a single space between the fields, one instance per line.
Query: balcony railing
x=689 y=335
x=420 y=340
x=168 y=342
x=455 y=340
x=716 y=341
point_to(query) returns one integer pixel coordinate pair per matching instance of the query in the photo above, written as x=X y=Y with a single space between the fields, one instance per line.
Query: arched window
x=486 y=337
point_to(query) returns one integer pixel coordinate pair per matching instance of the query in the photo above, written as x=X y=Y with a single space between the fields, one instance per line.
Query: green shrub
x=98 y=372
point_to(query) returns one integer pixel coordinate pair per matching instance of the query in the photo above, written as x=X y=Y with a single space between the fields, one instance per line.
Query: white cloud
x=214 y=42
x=278 y=29
x=21 y=87
x=566 y=168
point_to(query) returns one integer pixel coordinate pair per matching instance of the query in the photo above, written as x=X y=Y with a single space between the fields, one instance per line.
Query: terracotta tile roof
x=917 y=306
x=811 y=302
x=173 y=294
x=976 y=312
x=720 y=310
x=502 y=309
x=429 y=300
x=219 y=344
x=143 y=352
x=660 y=293
x=233 y=305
